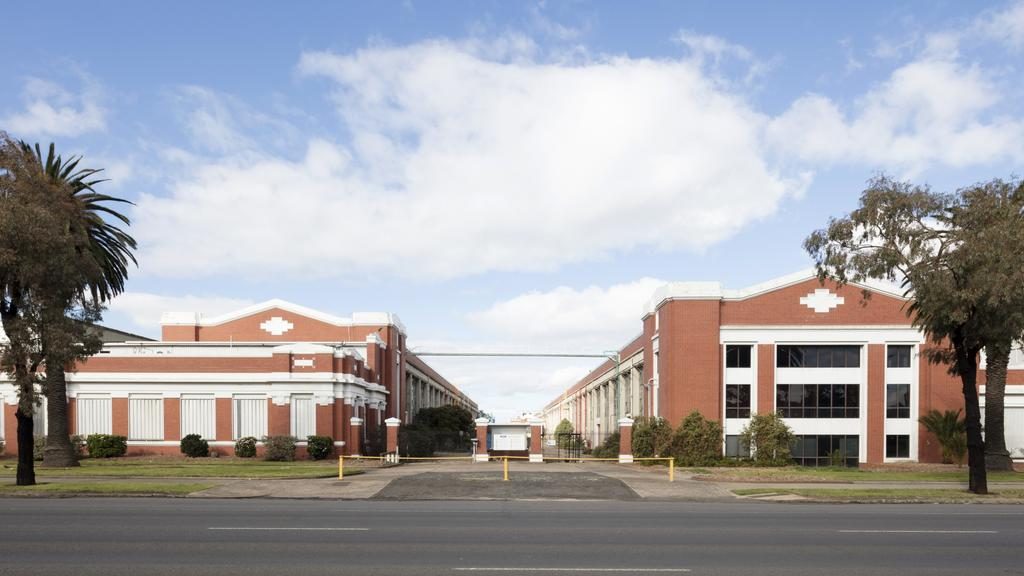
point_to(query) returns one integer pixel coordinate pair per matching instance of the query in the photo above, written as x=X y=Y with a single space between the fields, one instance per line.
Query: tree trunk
x=26 y=475
x=967 y=366
x=997 y=457
x=59 y=453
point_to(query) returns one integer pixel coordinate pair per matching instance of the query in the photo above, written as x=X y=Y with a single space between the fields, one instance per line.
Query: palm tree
x=951 y=432
x=104 y=254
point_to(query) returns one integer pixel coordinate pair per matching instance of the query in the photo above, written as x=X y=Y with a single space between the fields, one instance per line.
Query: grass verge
x=182 y=468
x=107 y=488
x=801 y=474
x=887 y=495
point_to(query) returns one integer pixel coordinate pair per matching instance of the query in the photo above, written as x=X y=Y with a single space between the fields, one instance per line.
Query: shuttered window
x=250 y=415
x=199 y=415
x=39 y=419
x=93 y=414
x=145 y=417
x=303 y=416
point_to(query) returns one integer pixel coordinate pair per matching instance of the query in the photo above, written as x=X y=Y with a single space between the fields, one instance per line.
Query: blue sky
x=503 y=175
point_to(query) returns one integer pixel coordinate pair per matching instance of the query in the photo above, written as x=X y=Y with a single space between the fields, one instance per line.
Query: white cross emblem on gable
x=821 y=300
x=277 y=326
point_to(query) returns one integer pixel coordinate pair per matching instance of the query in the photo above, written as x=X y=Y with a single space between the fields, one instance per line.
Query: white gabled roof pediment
x=357 y=319
x=714 y=291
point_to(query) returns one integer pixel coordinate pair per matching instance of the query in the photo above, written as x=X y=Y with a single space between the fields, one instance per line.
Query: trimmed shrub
x=279 y=448
x=38 y=445
x=319 y=447
x=697 y=441
x=78 y=444
x=245 y=447
x=609 y=448
x=194 y=446
x=652 y=437
x=106 y=445
x=769 y=440
x=2 y=446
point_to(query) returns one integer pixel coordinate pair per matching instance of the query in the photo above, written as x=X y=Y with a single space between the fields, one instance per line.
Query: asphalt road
x=113 y=536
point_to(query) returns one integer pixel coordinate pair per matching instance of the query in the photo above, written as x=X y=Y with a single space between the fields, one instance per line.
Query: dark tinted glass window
x=818 y=400
x=826 y=450
x=734 y=448
x=791 y=356
x=898 y=357
x=737 y=401
x=897 y=446
x=737 y=356
x=897 y=401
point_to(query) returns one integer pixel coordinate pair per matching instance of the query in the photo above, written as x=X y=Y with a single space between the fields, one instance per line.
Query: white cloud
x=932 y=110
x=711 y=51
x=51 y=110
x=1006 y=26
x=222 y=123
x=144 y=309
x=467 y=158
x=594 y=318
x=591 y=320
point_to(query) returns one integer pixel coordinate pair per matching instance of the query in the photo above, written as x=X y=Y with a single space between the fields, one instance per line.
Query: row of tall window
x=816 y=356
x=197 y=415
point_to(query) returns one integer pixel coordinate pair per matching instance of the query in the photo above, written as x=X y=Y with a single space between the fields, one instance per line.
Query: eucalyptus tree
x=934 y=245
x=988 y=219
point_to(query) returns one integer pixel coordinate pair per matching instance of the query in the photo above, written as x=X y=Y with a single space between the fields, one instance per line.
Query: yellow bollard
x=671 y=469
x=341 y=467
x=506 y=469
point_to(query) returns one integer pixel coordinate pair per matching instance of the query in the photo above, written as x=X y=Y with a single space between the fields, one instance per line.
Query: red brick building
x=275 y=368
x=845 y=372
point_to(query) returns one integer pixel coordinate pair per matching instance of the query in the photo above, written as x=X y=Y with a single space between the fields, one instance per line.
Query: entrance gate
x=570 y=445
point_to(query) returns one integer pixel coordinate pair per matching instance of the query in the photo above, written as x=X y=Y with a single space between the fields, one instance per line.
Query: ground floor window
x=250 y=416
x=897 y=446
x=734 y=448
x=826 y=450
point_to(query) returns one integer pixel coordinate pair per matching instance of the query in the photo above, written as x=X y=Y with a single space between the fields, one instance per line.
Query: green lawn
x=801 y=474
x=113 y=487
x=886 y=495
x=188 y=468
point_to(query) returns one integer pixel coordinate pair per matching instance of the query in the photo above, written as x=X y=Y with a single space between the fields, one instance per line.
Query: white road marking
x=287 y=528
x=919 y=531
x=631 y=570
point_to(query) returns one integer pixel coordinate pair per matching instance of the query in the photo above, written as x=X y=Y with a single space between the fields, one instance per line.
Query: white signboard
x=508 y=441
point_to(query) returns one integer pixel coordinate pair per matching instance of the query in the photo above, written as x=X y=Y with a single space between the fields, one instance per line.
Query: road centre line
x=287 y=528
x=919 y=531
x=630 y=570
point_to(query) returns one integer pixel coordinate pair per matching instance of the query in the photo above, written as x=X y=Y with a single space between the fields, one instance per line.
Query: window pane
x=898 y=357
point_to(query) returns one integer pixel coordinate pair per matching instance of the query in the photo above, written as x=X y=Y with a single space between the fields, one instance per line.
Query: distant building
x=275 y=368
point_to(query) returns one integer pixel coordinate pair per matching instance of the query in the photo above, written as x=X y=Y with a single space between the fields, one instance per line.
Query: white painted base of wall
x=481 y=457
x=536 y=458
x=625 y=458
